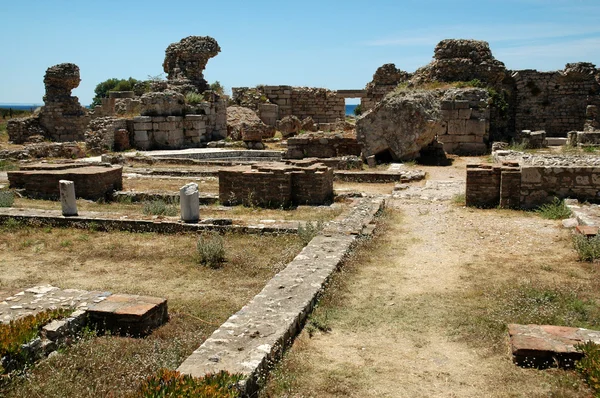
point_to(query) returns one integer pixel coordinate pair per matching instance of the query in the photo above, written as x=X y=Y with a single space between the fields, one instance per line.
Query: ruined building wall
x=530 y=186
x=323 y=105
x=385 y=80
x=555 y=101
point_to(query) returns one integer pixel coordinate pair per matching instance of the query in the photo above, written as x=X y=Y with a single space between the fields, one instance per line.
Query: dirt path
x=393 y=330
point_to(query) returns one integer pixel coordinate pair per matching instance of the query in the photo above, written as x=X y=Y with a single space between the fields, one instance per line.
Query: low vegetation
x=160 y=207
x=211 y=250
x=7 y=198
x=555 y=210
x=309 y=230
x=167 y=383
x=589 y=366
x=588 y=248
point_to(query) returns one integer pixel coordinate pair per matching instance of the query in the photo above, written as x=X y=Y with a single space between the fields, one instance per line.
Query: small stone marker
x=189 y=199
x=67 y=198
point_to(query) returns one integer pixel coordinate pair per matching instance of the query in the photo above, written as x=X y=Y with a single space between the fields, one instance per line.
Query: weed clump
x=160 y=208
x=556 y=210
x=589 y=366
x=7 y=198
x=309 y=230
x=588 y=249
x=211 y=250
x=169 y=383
x=193 y=98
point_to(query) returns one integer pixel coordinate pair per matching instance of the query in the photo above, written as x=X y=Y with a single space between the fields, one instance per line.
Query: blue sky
x=326 y=43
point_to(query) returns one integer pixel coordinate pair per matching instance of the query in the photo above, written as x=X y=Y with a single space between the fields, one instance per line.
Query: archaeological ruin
x=263 y=195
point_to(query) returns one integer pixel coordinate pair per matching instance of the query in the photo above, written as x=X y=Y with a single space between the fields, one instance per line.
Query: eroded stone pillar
x=67 y=198
x=189 y=199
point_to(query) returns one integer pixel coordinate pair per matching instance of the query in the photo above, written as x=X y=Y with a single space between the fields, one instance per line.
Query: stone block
x=476 y=127
x=464 y=113
x=142 y=119
x=457 y=127
x=460 y=104
x=143 y=126
x=129 y=314
x=140 y=136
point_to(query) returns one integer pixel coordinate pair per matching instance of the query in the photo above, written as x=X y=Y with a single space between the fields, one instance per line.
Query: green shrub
x=7 y=198
x=358 y=110
x=309 y=230
x=588 y=249
x=193 y=98
x=7 y=165
x=169 y=383
x=159 y=207
x=211 y=250
x=556 y=210
x=589 y=366
x=217 y=87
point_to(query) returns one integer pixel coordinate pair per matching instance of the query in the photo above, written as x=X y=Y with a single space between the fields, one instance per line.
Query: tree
x=217 y=87
x=112 y=84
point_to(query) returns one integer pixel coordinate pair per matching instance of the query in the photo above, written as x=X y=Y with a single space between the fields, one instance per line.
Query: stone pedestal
x=67 y=198
x=189 y=200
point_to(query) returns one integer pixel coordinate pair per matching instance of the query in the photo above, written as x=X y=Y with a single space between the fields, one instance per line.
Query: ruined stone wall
x=555 y=101
x=169 y=132
x=323 y=105
x=321 y=145
x=466 y=116
x=276 y=185
x=100 y=134
x=90 y=182
x=385 y=80
x=530 y=186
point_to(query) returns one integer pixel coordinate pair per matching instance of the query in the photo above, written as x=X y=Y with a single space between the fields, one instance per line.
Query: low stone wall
x=321 y=145
x=276 y=185
x=90 y=182
x=169 y=132
x=530 y=186
x=583 y=138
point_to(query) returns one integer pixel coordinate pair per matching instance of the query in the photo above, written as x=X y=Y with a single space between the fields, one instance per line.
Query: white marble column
x=189 y=199
x=67 y=198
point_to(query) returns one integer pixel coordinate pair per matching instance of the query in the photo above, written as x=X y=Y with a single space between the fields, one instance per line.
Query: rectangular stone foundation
x=92 y=182
x=129 y=314
x=276 y=185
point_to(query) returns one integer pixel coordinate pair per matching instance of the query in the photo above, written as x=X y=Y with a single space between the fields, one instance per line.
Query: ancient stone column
x=189 y=199
x=67 y=198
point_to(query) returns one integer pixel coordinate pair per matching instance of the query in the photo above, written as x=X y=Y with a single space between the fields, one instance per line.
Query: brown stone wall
x=169 y=132
x=323 y=105
x=276 y=185
x=553 y=101
x=322 y=145
x=90 y=182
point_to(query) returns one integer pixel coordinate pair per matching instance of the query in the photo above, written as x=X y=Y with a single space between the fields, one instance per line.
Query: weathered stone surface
x=244 y=124
x=386 y=79
x=251 y=340
x=289 y=126
x=462 y=60
x=400 y=125
x=308 y=124
x=547 y=346
x=165 y=103
x=185 y=62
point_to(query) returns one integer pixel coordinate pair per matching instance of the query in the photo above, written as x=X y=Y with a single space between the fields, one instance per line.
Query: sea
x=350 y=109
x=20 y=107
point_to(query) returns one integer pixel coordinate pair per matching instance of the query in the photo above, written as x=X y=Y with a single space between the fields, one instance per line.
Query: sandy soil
x=394 y=335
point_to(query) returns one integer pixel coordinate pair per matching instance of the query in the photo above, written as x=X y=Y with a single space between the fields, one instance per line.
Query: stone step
x=544 y=346
x=556 y=141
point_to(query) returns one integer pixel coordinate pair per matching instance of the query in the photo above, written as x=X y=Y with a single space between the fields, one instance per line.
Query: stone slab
x=587 y=230
x=544 y=346
x=251 y=340
x=130 y=315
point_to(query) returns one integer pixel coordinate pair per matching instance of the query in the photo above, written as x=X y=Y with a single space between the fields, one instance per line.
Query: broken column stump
x=131 y=315
x=68 y=200
x=545 y=346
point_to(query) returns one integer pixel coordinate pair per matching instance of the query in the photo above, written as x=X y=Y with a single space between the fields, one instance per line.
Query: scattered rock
x=289 y=126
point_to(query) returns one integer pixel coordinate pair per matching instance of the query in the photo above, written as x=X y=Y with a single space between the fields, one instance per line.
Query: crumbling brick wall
x=276 y=185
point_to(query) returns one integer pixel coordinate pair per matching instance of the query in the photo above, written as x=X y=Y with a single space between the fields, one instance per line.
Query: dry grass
x=366 y=188
x=200 y=298
x=422 y=309
x=156 y=184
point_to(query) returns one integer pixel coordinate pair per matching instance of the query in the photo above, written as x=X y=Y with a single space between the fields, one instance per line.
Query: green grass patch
x=7 y=165
x=211 y=250
x=309 y=230
x=555 y=210
x=7 y=198
x=589 y=366
x=160 y=207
